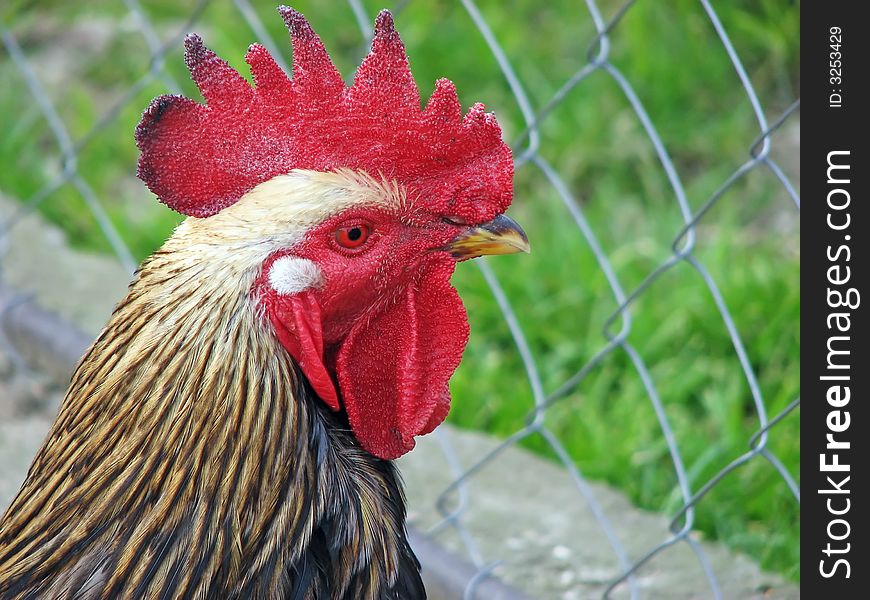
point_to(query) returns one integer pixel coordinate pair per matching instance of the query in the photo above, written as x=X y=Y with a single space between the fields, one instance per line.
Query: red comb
x=200 y=158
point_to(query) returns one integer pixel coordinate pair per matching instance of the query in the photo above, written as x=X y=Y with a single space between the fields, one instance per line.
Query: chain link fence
x=66 y=146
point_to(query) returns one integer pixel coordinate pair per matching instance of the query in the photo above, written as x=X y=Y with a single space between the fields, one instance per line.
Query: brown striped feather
x=189 y=460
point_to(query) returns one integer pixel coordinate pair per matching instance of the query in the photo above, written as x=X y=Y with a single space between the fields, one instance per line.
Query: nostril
x=458 y=221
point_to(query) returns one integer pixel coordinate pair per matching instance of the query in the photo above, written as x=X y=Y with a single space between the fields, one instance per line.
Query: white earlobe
x=291 y=275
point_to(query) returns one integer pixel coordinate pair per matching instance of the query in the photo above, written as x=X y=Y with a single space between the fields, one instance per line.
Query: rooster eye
x=352 y=237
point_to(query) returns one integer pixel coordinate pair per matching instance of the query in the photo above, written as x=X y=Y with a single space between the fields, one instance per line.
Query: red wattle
x=393 y=369
x=299 y=328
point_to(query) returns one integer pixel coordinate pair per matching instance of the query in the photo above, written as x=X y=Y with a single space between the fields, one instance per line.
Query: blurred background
x=632 y=385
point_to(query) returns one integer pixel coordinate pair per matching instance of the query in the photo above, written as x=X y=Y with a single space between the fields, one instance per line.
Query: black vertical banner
x=835 y=362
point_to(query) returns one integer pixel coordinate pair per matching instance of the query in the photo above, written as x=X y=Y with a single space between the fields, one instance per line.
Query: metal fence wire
x=617 y=328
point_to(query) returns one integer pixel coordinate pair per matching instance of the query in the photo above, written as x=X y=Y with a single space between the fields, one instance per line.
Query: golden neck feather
x=189 y=456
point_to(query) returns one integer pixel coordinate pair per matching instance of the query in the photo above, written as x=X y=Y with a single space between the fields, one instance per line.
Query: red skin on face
x=386 y=329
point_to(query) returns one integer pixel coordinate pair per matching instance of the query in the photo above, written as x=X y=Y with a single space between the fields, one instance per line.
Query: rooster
x=230 y=432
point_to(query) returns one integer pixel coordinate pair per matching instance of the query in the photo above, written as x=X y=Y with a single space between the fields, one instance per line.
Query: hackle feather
x=189 y=460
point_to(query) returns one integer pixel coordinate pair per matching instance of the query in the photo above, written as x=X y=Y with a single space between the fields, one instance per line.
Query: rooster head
x=347 y=207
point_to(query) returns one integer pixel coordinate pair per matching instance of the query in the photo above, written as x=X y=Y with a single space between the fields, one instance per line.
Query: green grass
x=670 y=54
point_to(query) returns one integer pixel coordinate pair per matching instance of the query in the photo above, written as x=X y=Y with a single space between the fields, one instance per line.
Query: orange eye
x=352 y=237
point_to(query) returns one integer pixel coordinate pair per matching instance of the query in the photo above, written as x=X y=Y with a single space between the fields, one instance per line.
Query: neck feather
x=190 y=459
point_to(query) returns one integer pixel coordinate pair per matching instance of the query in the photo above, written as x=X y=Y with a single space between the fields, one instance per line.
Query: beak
x=502 y=235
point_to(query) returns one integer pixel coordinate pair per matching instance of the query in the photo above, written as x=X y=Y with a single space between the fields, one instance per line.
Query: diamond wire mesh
x=455 y=499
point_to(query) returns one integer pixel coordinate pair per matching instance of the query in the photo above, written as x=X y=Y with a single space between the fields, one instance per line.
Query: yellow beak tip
x=502 y=235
